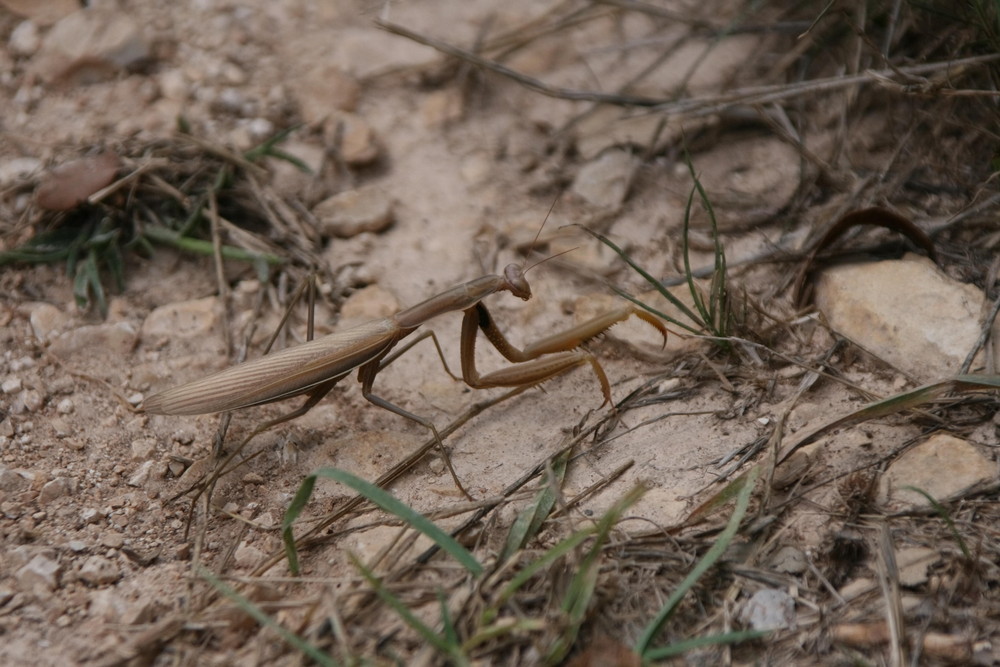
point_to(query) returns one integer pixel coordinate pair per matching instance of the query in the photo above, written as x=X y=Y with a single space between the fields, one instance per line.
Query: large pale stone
x=942 y=466
x=904 y=311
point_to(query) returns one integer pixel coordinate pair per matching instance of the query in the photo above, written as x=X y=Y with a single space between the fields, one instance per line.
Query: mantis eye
x=516 y=282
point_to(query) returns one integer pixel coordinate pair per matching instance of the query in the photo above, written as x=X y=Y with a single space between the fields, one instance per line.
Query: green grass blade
x=116 y=263
x=745 y=485
x=387 y=502
x=279 y=154
x=943 y=513
x=699 y=303
x=677 y=303
x=549 y=557
x=508 y=627
x=897 y=403
x=681 y=647
x=447 y=625
x=529 y=521
x=716 y=314
x=291 y=514
x=269 y=148
x=581 y=588
x=452 y=650
x=48 y=247
x=169 y=237
x=687 y=327
x=81 y=287
x=261 y=617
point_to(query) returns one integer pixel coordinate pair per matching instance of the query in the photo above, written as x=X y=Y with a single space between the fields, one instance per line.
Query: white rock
x=99 y=571
x=904 y=311
x=57 y=488
x=40 y=574
x=942 y=466
x=247 y=555
x=141 y=475
x=260 y=128
x=11 y=385
x=24 y=39
x=323 y=90
x=42 y=12
x=605 y=181
x=22 y=363
x=789 y=560
x=106 y=605
x=143 y=448
x=11 y=481
x=89 y=43
x=174 y=85
x=913 y=564
x=109 y=341
x=30 y=400
x=769 y=609
x=47 y=321
x=185 y=319
x=17 y=169
x=349 y=213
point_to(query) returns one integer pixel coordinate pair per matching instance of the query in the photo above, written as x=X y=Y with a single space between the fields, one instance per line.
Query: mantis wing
x=289 y=372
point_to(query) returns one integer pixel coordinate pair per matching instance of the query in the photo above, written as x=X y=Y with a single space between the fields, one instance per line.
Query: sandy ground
x=469 y=164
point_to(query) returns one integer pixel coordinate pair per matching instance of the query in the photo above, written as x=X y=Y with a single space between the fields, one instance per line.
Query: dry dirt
x=470 y=163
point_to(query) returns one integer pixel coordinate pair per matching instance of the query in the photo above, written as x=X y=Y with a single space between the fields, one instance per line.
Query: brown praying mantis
x=314 y=367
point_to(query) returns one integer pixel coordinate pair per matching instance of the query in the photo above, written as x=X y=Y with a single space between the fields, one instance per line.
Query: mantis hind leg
x=206 y=485
x=366 y=375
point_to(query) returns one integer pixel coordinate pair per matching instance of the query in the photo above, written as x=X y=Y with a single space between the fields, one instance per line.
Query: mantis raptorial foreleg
x=530 y=369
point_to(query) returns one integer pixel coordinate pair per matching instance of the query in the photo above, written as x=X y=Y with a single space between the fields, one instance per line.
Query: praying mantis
x=314 y=367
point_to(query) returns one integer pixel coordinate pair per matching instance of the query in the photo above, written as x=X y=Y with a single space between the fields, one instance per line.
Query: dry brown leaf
x=68 y=185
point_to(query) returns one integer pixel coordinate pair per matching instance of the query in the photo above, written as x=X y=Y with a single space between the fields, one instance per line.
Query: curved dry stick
x=875 y=215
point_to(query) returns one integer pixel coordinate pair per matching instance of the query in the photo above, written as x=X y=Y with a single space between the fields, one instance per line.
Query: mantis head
x=515 y=281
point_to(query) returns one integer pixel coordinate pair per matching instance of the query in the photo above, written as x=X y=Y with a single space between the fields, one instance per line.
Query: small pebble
x=141 y=475
x=769 y=609
x=24 y=39
x=789 y=560
x=143 y=448
x=22 y=363
x=99 y=571
x=32 y=400
x=113 y=539
x=349 y=213
x=41 y=573
x=57 y=488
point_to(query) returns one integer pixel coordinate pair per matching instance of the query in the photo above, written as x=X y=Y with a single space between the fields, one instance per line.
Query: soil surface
x=440 y=171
